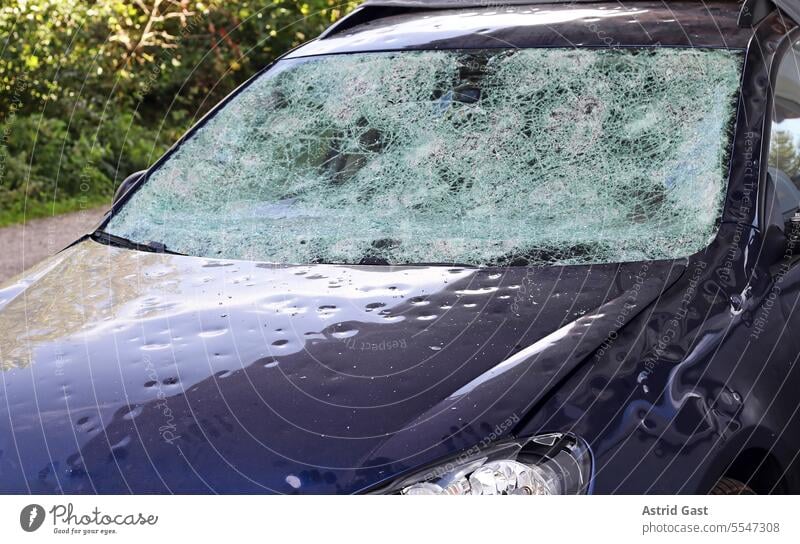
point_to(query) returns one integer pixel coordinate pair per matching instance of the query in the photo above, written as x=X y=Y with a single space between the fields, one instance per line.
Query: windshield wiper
x=118 y=241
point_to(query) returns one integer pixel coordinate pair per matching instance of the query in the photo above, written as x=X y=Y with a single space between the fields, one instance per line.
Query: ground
x=26 y=244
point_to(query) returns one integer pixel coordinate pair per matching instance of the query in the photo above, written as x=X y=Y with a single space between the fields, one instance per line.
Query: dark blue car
x=446 y=248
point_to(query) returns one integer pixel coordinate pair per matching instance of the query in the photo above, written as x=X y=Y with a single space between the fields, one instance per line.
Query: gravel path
x=22 y=246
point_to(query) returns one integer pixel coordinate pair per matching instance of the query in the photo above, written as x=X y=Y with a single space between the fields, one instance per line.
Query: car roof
x=750 y=10
x=449 y=4
x=381 y=25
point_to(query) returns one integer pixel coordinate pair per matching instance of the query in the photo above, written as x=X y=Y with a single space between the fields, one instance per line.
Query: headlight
x=552 y=464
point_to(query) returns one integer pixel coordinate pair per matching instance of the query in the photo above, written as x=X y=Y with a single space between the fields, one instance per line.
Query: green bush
x=93 y=90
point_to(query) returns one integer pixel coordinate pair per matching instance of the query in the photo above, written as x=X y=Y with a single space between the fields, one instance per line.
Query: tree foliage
x=92 y=90
x=783 y=153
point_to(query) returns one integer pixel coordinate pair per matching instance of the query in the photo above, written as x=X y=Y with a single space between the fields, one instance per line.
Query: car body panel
x=254 y=372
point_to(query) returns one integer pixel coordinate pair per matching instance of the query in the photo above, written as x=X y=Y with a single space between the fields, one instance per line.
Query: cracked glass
x=481 y=158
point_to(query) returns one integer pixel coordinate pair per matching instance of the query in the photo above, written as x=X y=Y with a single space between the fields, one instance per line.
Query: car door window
x=784 y=152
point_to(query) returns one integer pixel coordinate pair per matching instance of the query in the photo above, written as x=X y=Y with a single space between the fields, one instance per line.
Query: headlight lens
x=552 y=464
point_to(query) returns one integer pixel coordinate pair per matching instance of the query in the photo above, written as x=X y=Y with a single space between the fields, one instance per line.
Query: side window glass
x=784 y=150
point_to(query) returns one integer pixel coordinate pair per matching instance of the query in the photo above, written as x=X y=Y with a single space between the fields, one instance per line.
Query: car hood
x=125 y=371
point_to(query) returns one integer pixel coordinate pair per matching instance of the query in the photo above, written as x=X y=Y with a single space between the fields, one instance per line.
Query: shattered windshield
x=490 y=157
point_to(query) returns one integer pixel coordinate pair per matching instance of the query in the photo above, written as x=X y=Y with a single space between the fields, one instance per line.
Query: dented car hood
x=125 y=371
